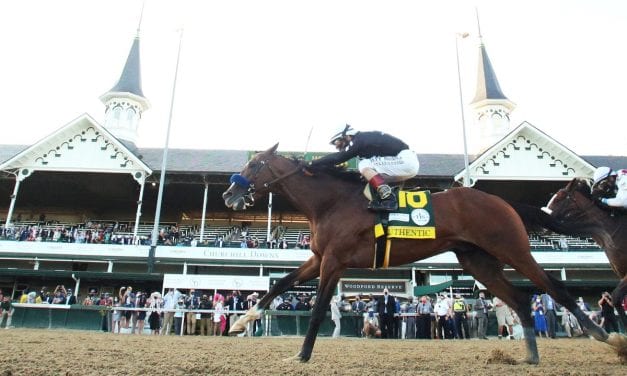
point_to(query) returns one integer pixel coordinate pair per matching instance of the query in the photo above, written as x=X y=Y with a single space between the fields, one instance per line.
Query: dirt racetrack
x=65 y=352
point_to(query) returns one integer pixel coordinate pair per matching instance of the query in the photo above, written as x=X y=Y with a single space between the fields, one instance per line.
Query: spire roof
x=131 y=81
x=487 y=83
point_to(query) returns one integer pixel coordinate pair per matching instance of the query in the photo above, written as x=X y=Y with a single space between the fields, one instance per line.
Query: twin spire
x=125 y=102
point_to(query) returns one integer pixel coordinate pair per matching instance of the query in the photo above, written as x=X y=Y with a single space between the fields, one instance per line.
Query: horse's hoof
x=619 y=343
x=295 y=358
x=533 y=361
x=617 y=340
x=237 y=329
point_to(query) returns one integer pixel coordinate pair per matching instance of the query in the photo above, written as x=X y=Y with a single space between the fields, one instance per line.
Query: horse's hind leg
x=525 y=264
x=306 y=272
x=489 y=271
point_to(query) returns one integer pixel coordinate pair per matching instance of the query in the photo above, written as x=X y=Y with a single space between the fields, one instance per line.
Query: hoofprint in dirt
x=65 y=352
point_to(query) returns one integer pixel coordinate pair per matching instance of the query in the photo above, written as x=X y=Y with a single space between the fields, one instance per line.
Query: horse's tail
x=535 y=219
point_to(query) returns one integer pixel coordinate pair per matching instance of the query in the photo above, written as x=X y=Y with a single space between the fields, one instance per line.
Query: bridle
x=249 y=184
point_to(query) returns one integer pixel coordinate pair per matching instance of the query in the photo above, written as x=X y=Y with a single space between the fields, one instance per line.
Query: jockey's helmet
x=602 y=173
x=346 y=131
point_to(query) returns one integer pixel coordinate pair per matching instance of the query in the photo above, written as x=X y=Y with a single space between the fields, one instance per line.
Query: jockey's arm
x=619 y=201
x=335 y=158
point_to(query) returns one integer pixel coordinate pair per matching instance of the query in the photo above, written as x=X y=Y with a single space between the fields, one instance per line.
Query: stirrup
x=384 y=191
x=390 y=204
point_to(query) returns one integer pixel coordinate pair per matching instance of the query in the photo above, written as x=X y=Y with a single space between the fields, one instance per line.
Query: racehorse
x=572 y=211
x=483 y=230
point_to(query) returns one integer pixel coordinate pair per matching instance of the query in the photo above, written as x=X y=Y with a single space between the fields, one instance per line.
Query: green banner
x=310 y=156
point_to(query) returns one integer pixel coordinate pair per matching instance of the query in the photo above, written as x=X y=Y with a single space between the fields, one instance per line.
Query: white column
x=16 y=188
x=269 y=218
x=139 y=209
x=204 y=212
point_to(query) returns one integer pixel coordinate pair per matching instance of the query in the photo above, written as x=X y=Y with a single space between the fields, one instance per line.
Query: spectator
x=206 y=325
x=282 y=244
x=538 y=317
x=336 y=316
x=409 y=321
x=169 y=302
x=424 y=309
x=503 y=318
x=286 y=305
x=302 y=304
x=70 y=298
x=359 y=307
x=192 y=302
x=371 y=324
x=140 y=302
x=398 y=322
x=117 y=316
x=387 y=308
x=30 y=298
x=6 y=312
x=482 y=306
x=59 y=295
x=583 y=305
x=608 y=317
x=460 y=310
x=549 y=314
x=570 y=323
x=442 y=314
x=155 y=303
x=234 y=303
x=178 y=315
x=127 y=299
x=219 y=320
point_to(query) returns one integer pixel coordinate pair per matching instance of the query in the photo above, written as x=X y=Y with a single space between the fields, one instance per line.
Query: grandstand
x=78 y=207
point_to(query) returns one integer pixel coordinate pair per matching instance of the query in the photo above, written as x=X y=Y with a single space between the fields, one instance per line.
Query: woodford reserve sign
x=375 y=287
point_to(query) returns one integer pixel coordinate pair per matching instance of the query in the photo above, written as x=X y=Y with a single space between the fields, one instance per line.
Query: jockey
x=384 y=159
x=613 y=183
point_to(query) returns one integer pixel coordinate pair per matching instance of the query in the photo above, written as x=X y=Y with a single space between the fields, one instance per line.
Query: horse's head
x=604 y=188
x=254 y=180
x=570 y=202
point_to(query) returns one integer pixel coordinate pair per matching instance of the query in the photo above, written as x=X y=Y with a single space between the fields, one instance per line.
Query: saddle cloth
x=413 y=220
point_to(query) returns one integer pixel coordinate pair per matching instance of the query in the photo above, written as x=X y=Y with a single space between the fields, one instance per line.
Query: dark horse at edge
x=572 y=211
x=483 y=230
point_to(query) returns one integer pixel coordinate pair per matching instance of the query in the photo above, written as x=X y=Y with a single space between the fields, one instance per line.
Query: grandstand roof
x=229 y=161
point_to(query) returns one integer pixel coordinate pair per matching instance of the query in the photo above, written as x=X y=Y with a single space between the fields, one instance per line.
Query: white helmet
x=346 y=131
x=602 y=173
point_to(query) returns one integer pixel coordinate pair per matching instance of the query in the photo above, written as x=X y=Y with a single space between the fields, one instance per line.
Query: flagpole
x=461 y=105
x=155 y=229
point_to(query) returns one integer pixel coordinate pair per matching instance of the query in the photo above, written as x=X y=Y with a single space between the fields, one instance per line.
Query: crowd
x=385 y=316
x=455 y=317
x=122 y=233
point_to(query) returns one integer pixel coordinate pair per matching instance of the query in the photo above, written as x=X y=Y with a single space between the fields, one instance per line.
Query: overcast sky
x=253 y=73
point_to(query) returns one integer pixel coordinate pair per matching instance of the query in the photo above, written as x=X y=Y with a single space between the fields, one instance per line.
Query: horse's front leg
x=617 y=340
x=330 y=273
x=617 y=297
x=306 y=272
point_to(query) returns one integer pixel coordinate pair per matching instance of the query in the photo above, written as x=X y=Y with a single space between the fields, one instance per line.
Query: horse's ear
x=272 y=150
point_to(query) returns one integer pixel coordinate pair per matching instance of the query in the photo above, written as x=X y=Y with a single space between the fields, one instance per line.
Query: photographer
x=608 y=318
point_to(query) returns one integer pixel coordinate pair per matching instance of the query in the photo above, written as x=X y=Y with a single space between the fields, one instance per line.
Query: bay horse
x=573 y=211
x=482 y=230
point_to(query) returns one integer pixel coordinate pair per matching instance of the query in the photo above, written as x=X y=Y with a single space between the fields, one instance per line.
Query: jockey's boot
x=385 y=200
